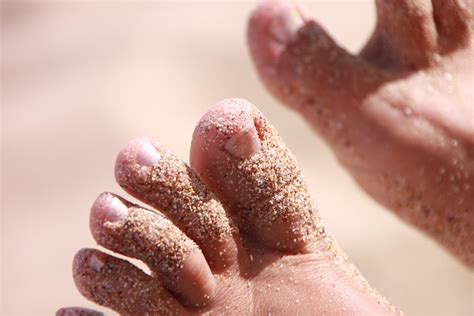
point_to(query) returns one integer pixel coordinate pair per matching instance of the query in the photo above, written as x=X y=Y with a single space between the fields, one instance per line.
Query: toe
x=454 y=23
x=271 y=27
x=139 y=233
x=117 y=284
x=405 y=36
x=154 y=175
x=298 y=61
x=242 y=159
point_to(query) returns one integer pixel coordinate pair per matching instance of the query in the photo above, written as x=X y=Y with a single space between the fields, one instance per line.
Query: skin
x=277 y=266
x=402 y=126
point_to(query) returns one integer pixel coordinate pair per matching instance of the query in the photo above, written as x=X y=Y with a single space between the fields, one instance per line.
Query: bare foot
x=237 y=234
x=399 y=115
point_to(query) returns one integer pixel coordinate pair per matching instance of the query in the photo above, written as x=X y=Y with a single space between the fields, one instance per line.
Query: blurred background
x=81 y=78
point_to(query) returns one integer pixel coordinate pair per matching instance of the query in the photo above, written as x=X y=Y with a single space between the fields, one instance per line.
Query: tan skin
x=403 y=127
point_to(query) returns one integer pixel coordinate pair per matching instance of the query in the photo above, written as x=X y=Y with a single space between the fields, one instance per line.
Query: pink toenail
x=112 y=208
x=95 y=262
x=147 y=154
x=245 y=143
x=286 y=23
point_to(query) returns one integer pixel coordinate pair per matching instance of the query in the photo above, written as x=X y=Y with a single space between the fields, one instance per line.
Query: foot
x=398 y=115
x=235 y=234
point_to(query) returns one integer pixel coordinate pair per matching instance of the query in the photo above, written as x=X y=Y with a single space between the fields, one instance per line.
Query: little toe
x=148 y=236
x=154 y=175
x=243 y=160
x=117 y=284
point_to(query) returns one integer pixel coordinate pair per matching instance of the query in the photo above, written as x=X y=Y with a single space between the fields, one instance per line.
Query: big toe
x=239 y=154
x=298 y=61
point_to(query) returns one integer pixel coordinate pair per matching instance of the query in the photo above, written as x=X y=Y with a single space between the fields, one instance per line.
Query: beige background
x=81 y=78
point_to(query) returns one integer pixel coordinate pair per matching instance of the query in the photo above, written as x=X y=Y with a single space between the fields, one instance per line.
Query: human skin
x=235 y=233
x=398 y=115
x=398 y=118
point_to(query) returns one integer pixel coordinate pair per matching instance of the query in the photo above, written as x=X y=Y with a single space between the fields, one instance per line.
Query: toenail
x=284 y=26
x=95 y=262
x=112 y=208
x=147 y=154
x=245 y=143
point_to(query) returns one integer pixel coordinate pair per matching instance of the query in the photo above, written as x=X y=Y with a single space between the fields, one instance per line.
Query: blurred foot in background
x=398 y=116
